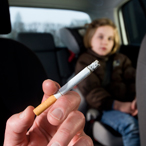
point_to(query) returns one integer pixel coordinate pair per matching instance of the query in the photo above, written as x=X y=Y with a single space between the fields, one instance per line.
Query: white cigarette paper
x=67 y=87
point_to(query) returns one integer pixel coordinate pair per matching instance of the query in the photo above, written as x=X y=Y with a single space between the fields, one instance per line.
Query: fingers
x=50 y=87
x=83 y=140
x=135 y=112
x=62 y=107
x=68 y=129
x=134 y=104
x=59 y=124
x=17 y=126
x=63 y=113
x=134 y=108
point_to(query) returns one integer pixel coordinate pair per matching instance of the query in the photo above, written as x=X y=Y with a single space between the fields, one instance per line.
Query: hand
x=134 y=107
x=123 y=106
x=60 y=125
x=126 y=107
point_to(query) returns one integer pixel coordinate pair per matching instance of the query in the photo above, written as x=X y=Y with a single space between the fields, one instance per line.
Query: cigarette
x=67 y=87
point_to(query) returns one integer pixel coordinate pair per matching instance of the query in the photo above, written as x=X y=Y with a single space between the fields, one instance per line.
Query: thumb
x=17 y=126
x=135 y=112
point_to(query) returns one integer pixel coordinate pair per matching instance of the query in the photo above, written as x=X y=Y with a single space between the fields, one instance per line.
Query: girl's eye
x=110 y=39
x=100 y=37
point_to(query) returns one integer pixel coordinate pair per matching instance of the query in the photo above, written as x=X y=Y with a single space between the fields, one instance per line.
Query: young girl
x=111 y=88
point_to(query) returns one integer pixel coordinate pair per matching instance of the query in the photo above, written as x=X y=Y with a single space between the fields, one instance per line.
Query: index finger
x=49 y=88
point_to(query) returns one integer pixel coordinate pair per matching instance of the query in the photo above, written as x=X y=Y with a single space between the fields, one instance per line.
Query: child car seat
x=73 y=39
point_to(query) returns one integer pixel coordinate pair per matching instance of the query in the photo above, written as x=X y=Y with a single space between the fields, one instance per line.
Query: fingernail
x=55 y=144
x=57 y=85
x=57 y=113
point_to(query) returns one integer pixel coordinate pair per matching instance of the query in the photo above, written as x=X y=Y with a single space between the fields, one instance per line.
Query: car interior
x=30 y=56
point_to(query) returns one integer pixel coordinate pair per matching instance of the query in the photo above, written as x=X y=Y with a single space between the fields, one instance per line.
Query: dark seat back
x=141 y=90
x=66 y=67
x=55 y=60
x=5 y=25
x=21 y=75
x=43 y=46
x=21 y=79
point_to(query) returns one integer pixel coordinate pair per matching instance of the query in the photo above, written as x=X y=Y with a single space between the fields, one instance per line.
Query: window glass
x=45 y=20
x=135 y=21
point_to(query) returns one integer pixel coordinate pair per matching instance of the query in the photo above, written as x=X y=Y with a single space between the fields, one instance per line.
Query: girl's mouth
x=103 y=48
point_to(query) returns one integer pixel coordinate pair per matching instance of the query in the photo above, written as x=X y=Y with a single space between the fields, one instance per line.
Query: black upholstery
x=21 y=74
x=43 y=46
x=54 y=60
x=38 y=42
x=141 y=91
x=65 y=67
x=21 y=79
x=5 y=25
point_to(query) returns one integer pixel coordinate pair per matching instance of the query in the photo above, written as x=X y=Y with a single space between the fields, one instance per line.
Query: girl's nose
x=104 y=41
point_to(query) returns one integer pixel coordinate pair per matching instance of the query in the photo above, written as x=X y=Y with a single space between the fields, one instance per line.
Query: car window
x=45 y=20
x=134 y=21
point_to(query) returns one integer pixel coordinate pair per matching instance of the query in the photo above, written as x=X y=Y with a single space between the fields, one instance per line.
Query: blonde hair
x=92 y=27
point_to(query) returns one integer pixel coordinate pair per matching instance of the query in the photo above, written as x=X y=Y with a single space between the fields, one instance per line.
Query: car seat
x=141 y=91
x=42 y=44
x=21 y=75
x=54 y=60
x=73 y=39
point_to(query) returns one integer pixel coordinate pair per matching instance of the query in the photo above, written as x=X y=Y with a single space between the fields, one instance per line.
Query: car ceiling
x=95 y=8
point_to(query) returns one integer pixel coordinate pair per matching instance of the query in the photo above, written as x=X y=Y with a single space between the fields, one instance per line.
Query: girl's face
x=103 y=40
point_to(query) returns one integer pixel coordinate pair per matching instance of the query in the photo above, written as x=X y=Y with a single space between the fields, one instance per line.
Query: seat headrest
x=5 y=24
x=73 y=38
x=37 y=41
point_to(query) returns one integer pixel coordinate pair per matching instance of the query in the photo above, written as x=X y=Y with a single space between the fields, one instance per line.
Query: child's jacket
x=113 y=80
